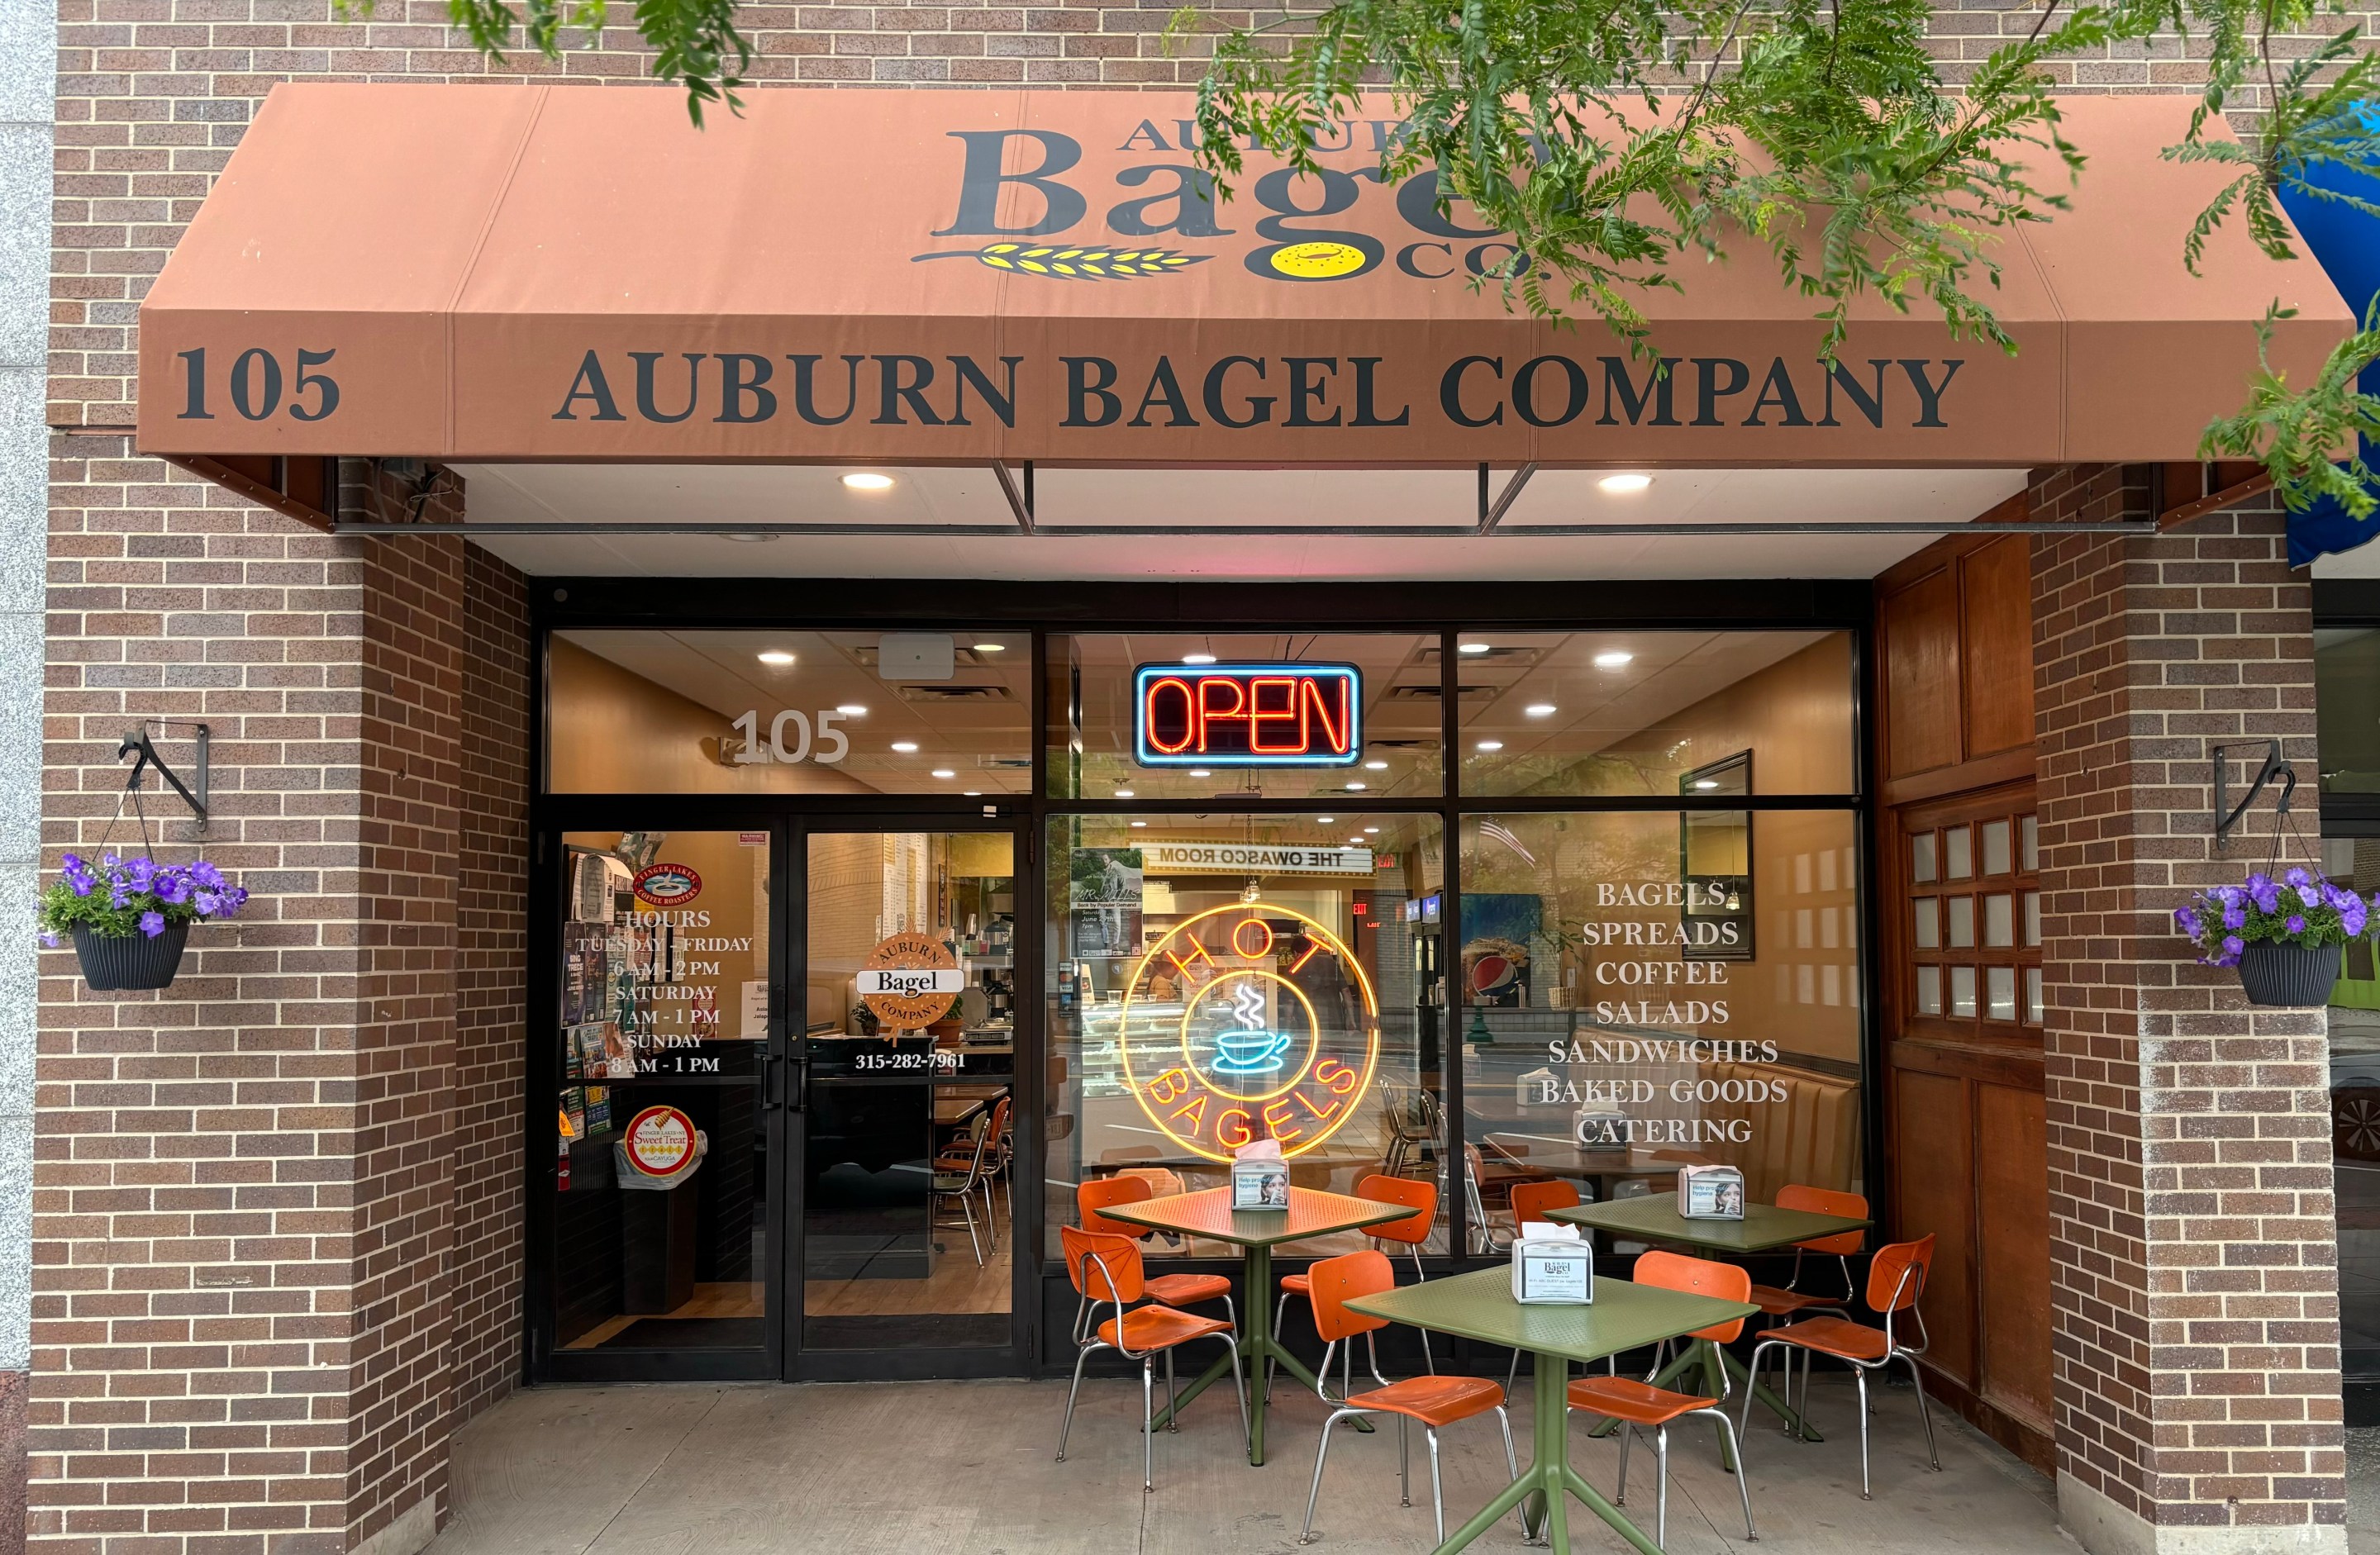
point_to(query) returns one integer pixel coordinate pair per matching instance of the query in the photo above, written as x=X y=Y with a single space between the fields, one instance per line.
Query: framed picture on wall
x=1714 y=863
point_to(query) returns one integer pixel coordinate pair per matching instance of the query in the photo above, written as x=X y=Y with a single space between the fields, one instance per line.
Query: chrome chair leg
x=1280 y=1311
x=1404 y=1466
x=1147 y=1433
x=1512 y=1467
x=1859 y=1377
x=1621 y=1499
x=1661 y=1485
x=1743 y=1479
x=1436 y=1491
x=1321 y=1456
x=1172 y=1408
x=1081 y=1355
x=1246 y=1431
x=1923 y=1414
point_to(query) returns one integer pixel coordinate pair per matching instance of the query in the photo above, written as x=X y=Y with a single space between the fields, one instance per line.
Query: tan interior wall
x=609 y=731
x=1794 y=717
x=735 y=893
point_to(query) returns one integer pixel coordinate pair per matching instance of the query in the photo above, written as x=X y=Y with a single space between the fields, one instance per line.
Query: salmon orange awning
x=562 y=274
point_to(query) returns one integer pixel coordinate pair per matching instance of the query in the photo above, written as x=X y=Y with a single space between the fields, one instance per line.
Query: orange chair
x=1642 y=1406
x=1174 y=1290
x=989 y=1139
x=1106 y=1272
x=1411 y=1233
x=1896 y=1278
x=1433 y=1400
x=1774 y=1302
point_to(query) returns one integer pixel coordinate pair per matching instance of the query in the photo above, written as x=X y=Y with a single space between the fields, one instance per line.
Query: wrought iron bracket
x=2273 y=767
x=193 y=793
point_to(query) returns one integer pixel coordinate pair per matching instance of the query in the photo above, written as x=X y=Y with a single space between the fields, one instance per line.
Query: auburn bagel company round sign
x=910 y=979
x=661 y=1142
x=666 y=885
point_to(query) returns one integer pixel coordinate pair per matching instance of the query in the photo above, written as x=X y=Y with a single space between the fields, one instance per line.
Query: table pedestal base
x=1543 y=1492
x=1257 y=1348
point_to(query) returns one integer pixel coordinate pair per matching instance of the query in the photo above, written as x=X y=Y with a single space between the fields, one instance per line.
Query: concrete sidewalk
x=854 y=1469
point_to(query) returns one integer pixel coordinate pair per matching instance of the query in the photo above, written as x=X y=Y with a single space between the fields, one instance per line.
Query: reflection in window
x=788 y=712
x=1601 y=1005
x=2347 y=688
x=1635 y=712
x=1091 y=694
x=1218 y=979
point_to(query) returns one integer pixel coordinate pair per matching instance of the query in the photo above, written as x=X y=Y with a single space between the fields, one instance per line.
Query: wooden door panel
x=1919 y=627
x=2012 y=1168
x=1996 y=645
x=1934 y=1188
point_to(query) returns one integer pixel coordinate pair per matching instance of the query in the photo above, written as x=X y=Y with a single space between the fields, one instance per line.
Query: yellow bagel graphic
x=1322 y=261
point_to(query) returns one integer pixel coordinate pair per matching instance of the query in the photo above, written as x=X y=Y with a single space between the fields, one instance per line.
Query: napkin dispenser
x=1260 y=1177
x=1552 y=1266
x=1710 y=1193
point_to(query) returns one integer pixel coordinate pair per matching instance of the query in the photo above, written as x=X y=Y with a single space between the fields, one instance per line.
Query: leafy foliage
x=2298 y=909
x=695 y=43
x=121 y=897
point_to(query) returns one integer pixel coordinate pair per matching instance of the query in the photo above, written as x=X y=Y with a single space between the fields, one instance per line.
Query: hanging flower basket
x=130 y=918
x=2286 y=936
x=116 y=961
x=2289 y=975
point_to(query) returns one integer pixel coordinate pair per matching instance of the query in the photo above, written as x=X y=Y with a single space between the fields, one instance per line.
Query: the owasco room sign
x=964 y=275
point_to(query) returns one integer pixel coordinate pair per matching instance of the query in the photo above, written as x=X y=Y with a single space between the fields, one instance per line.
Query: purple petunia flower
x=2235 y=916
x=50 y=938
x=173 y=889
x=207 y=875
x=2310 y=896
x=209 y=903
x=153 y=924
x=2351 y=916
x=2296 y=877
x=143 y=874
x=118 y=897
x=2233 y=944
x=2295 y=924
x=2267 y=900
x=2189 y=922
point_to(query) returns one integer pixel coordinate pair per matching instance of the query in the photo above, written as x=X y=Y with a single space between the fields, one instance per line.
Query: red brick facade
x=277 y=1206
x=2194 y=1278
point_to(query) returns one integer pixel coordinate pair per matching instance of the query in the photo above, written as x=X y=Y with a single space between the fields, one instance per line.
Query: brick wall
x=2195 y=1286
x=492 y=971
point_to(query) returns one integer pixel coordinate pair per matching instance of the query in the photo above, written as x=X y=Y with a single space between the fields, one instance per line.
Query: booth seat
x=1811 y=1134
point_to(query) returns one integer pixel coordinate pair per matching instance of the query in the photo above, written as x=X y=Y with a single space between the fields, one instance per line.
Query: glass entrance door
x=656 y=1102
x=903 y=1091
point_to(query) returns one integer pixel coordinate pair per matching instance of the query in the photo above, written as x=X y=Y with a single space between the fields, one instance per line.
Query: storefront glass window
x=2347 y=687
x=1205 y=705
x=1649 y=989
x=943 y=713
x=1217 y=978
x=660 y=1188
x=1627 y=713
x=2355 y=1105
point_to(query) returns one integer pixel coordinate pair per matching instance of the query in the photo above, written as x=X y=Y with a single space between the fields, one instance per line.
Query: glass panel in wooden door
x=660 y=1187
x=908 y=1134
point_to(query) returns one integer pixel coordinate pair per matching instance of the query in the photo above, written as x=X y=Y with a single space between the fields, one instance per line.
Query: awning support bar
x=1504 y=499
x=1020 y=503
x=1367 y=531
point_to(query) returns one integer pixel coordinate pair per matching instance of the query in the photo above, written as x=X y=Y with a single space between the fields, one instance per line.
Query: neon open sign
x=1247 y=716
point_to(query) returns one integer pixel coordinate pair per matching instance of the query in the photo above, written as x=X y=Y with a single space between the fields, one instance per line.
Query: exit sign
x=1247 y=716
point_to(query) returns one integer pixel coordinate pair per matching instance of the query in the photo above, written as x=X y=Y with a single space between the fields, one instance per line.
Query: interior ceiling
x=975 y=533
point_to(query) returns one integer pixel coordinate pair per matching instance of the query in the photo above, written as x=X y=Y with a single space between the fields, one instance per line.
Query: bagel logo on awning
x=1018 y=172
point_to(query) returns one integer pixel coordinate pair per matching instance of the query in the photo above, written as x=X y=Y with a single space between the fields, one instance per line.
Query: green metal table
x=1763 y=1228
x=1623 y=1316
x=1256 y=1233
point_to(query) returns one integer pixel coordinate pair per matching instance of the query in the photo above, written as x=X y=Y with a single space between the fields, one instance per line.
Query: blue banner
x=2346 y=241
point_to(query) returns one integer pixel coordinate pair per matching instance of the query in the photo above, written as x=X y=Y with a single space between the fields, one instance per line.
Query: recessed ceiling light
x=1489 y=745
x=906 y=747
x=777 y=656
x=1323 y=819
x=944 y=773
x=1200 y=772
x=1617 y=659
x=1355 y=788
x=867 y=480
x=1371 y=831
x=852 y=710
x=972 y=793
x=1355 y=842
x=991 y=647
x=1619 y=485
x=1198 y=658
x=1706 y=783
x=1471 y=647
x=1138 y=824
x=1376 y=766
x=1540 y=709
x=1124 y=793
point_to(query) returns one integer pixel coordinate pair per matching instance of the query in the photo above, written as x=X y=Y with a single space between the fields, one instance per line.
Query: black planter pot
x=112 y=963
x=2289 y=975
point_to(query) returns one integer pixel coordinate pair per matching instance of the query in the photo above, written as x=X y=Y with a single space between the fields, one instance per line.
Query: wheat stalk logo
x=1074 y=264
